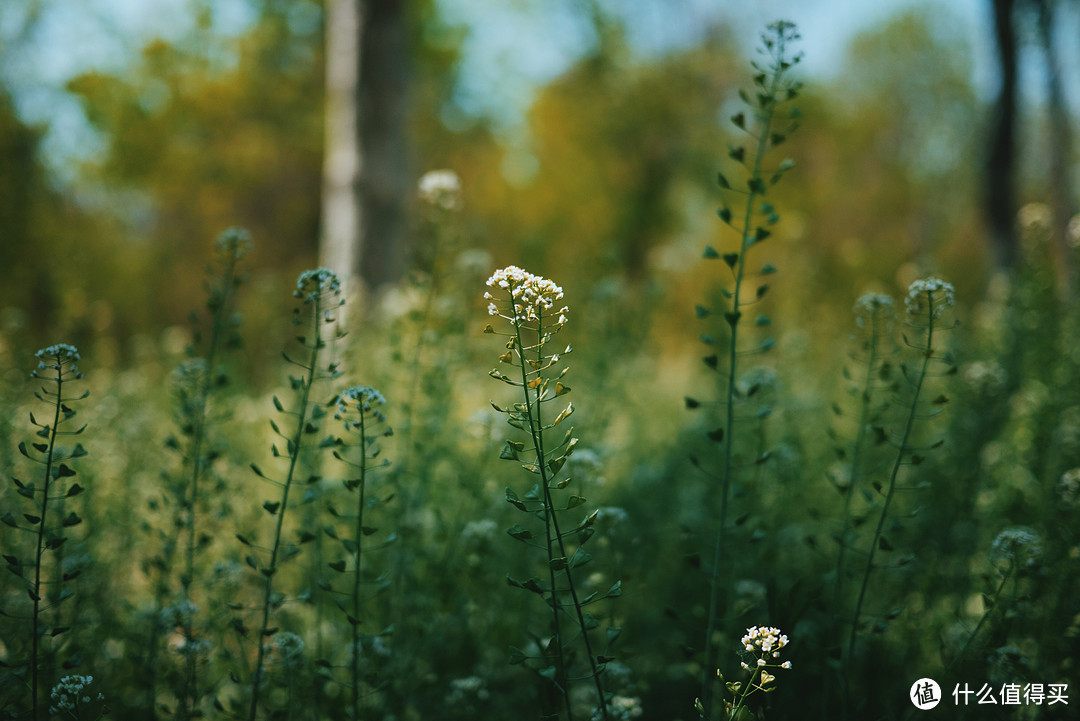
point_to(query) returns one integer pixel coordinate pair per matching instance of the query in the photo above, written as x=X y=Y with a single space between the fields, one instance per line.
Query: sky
x=512 y=47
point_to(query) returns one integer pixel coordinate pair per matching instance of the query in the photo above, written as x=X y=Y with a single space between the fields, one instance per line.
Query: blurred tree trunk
x=1000 y=189
x=366 y=179
x=343 y=161
x=387 y=181
x=1059 y=152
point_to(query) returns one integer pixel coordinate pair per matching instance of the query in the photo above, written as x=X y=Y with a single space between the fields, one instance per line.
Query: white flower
x=933 y=291
x=531 y=296
x=441 y=188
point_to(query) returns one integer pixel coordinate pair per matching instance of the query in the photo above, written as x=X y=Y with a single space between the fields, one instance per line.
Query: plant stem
x=729 y=429
x=356 y=572
x=927 y=355
x=293 y=458
x=41 y=543
x=188 y=689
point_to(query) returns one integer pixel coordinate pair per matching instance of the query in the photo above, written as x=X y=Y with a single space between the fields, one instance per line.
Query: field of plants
x=762 y=478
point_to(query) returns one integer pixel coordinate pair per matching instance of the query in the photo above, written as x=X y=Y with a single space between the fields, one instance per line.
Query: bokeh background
x=936 y=138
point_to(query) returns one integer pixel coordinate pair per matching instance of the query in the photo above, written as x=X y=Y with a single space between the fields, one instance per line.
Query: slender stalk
x=35 y=629
x=356 y=571
x=293 y=458
x=856 y=455
x=189 y=687
x=901 y=453
x=729 y=428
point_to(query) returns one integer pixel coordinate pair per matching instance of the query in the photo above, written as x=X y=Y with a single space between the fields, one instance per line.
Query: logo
x=925 y=694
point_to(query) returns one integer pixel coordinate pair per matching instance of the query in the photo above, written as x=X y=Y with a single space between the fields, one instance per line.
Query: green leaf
x=701 y=311
x=768 y=269
x=722 y=181
x=737 y=153
x=691 y=403
x=761 y=234
x=724 y=215
x=716 y=436
x=521 y=534
x=762 y=321
x=516 y=656
x=731 y=259
x=338 y=566
x=271 y=508
x=615 y=591
x=277 y=405
x=75 y=490
x=62 y=471
x=574 y=502
x=508 y=452
x=762 y=290
x=739 y=120
x=72 y=519
x=710 y=253
x=512 y=497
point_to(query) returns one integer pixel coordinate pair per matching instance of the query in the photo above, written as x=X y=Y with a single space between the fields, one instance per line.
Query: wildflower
x=531 y=296
x=871 y=304
x=1069 y=486
x=68 y=694
x=234 y=243
x=1016 y=544
x=314 y=284
x=58 y=356
x=620 y=708
x=441 y=188
x=932 y=291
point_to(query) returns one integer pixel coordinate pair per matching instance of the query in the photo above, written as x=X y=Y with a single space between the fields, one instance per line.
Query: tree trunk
x=387 y=181
x=1059 y=153
x=343 y=162
x=1000 y=191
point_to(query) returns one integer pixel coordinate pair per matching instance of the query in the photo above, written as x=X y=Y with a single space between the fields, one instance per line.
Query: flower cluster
x=313 y=284
x=234 y=243
x=762 y=644
x=441 y=188
x=55 y=357
x=1018 y=543
x=620 y=708
x=70 y=692
x=930 y=292
x=871 y=304
x=286 y=648
x=365 y=399
x=531 y=296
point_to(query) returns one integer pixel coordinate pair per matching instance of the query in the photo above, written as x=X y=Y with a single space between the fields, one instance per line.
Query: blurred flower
x=441 y=188
x=620 y=708
x=234 y=243
x=985 y=376
x=871 y=304
x=479 y=531
x=318 y=283
x=1018 y=543
x=286 y=649
x=934 y=292
x=67 y=694
x=1069 y=486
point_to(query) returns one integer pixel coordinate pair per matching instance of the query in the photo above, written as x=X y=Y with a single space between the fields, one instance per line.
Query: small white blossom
x=938 y=293
x=441 y=188
x=531 y=296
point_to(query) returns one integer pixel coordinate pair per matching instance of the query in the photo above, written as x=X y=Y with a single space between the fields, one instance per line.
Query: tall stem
x=356 y=572
x=41 y=545
x=729 y=428
x=928 y=354
x=293 y=458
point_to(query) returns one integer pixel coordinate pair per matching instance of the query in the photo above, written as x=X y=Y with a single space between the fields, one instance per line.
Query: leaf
x=75 y=490
x=516 y=656
x=560 y=389
x=615 y=591
x=739 y=120
x=762 y=290
x=277 y=405
x=574 y=502
x=564 y=415
x=731 y=259
x=724 y=215
x=62 y=471
x=338 y=566
x=512 y=498
x=521 y=534
x=508 y=453
x=271 y=508
x=72 y=519
x=710 y=253
x=701 y=311
x=716 y=435
x=691 y=403
x=883 y=544
x=722 y=181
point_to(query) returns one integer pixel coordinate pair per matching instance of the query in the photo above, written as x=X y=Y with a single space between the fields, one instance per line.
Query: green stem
x=189 y=688
x=928 y=354
x=293 y=458
x=356 y=571
x=41 y=543
x=856 y=456
x=729 y=434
